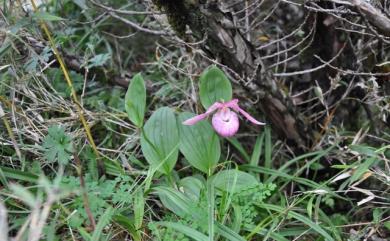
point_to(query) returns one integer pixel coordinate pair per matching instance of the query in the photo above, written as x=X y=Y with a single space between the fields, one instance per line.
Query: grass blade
x=103 y=221
x=228 y=233
x=190 y=232
x=256 y=154
x=298 y=217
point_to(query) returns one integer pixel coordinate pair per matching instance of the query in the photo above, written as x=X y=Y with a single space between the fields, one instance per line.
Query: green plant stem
x=171 y=180
x=210 y=203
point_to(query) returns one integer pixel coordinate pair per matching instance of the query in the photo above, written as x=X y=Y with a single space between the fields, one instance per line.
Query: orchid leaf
x=214 y=86
x=135 y=100
x=234 y=181
x=160 y=140
x=199 y=144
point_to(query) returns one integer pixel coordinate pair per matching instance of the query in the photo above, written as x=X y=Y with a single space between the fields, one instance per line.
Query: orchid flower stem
x=171 y=180
x=210 y=202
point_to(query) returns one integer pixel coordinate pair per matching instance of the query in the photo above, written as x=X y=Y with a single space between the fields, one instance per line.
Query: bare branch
x=310 y=70
x=136 y=26
x=121 y=11
x=373 y=15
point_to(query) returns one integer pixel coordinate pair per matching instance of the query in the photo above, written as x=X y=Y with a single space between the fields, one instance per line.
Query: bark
x=223 y=41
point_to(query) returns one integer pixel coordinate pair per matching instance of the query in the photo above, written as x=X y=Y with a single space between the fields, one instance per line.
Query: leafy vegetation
x=93 y=145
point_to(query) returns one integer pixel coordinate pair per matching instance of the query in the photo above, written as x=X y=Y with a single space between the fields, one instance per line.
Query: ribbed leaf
x=199 y=144
x=233 y=180
x=190 y=232
x=214 y=86
x=228 y=233
x=160 y=140
x=18 y=175
x=135 y=100
x=192 y=187
x=177 y=202
x=128 y=224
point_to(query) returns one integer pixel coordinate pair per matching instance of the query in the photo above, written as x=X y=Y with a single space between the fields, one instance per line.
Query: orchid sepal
x=197 y=118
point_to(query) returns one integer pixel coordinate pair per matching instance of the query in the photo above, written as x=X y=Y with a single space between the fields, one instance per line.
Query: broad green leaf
x=43 y=16
x=199 y=144
x=160 y=140
x=177 y=202
x=234 y=180
x=181 y=205
x=214 y=86
x=135 y=100
x=191 y=187
x=190 y=232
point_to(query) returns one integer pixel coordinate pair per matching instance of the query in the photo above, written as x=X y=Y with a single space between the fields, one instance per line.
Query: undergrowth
x=150 y=177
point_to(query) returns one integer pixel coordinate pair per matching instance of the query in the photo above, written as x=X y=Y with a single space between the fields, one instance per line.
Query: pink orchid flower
x=225 y=120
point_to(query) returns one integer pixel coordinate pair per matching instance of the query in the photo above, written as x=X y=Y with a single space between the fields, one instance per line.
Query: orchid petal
x=225 y=122
x=197 y=118
x=246 y=114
